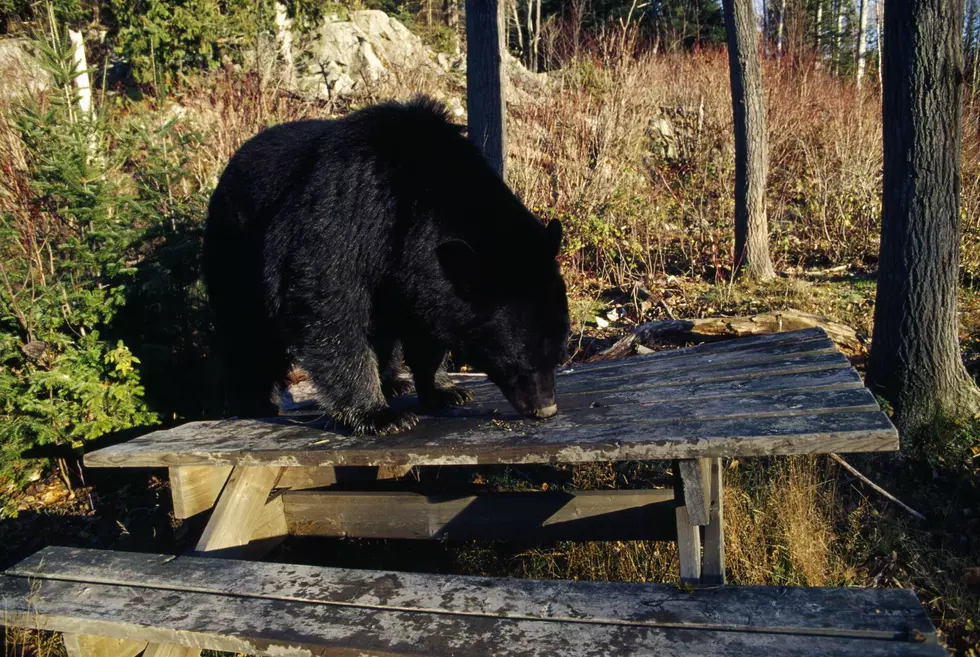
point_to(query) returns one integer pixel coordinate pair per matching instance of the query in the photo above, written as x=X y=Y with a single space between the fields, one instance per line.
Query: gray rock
x=19 y=70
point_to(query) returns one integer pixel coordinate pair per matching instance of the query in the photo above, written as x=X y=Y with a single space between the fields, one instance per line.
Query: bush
x=164 y=40
x=65 y=235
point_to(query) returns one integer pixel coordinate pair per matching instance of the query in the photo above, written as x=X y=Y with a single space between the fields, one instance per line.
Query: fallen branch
x=847 y=466
x=721 y=328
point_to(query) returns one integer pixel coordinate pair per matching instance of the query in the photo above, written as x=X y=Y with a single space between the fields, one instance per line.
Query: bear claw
x=446 y=397
x=383 y=422
x=397 y=387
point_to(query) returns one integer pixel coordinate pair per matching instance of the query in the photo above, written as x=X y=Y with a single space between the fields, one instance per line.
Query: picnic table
x=780 y=394
x=783 y=394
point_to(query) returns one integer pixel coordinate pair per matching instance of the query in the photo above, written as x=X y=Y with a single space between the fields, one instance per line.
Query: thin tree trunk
x=880 y=35
x=751 y=141
x=537 y=35
x=838 y=36
x=520 y=34
x=530 y=34
x=485 y=80
x=818 y=22
x=779 y=29
x=765 y=30
x=862 y=40
x=915 y=358
x=83 y=90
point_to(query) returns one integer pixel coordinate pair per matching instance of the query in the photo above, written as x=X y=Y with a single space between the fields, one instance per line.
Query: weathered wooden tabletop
x=788 y=393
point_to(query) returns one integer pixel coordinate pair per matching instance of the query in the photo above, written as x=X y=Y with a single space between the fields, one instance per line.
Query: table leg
x=713 y=572
x=242 y=508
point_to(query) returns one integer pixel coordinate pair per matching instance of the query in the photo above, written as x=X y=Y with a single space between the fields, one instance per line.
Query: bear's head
x=518 y=325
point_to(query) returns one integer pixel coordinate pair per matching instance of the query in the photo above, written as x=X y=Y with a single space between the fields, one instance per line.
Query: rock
x=19 y=69
x=662 y=138
x=343 y=55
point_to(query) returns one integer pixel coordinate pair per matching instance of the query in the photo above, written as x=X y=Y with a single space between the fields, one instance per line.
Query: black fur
x=339 y=243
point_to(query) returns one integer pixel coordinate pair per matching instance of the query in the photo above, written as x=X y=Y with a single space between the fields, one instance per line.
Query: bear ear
x=459 y=263
x=554 y=236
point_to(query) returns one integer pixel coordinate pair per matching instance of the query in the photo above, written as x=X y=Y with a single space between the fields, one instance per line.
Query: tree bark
x=818 y=21
x=485 y=79
x=915 y=352
x=838 y=35
x=780 y=29
x=751 y=141
x=862 y=40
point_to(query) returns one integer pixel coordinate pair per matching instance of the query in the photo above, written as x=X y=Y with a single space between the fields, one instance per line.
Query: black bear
x=341 y=245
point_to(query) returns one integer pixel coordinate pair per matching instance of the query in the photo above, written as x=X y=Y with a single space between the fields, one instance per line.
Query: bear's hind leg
x=435 y=389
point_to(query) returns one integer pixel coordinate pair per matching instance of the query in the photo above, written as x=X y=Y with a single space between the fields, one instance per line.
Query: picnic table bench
x=782 y=394
x=188 y=603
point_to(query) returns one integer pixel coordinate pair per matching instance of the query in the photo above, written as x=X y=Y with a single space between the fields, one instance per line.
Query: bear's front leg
x=345 y=373
x=435 y=389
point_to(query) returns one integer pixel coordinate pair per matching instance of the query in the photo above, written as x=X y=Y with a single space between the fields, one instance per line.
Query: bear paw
x=397 y=386
x=445 y=397
x=384 y=421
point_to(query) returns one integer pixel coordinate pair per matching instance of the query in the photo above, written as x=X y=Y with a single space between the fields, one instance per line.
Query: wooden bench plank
x=276 y=628
x=882 y=613
x=198 y=604
x=538 y=516
x=459 y=441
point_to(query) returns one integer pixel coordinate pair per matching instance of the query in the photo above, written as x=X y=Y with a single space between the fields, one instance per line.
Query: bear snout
x=545 y=412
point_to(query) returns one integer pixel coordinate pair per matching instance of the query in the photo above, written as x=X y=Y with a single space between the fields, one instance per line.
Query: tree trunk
x=83 y=93
x=751 y=141
x=838 y=35
x=485 y=79
x=819 y=21
x=537 y=36
x=765 y=30
x=880 y=35
x=780 y=28
x=520 y=33
x=862 y=40
x=915 y=353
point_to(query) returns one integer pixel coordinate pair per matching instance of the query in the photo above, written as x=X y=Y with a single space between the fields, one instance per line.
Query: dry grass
x=779 y=524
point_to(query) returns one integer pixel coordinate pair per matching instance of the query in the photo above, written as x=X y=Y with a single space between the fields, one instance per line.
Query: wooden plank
x=239 y=510
x=585 y=516
x=87 y=645
x=695 y=394
x=647 y=364
x=713 y=569
x=696 y=475
x=486 y=104
x=776 y=343
x=302 y=478
x=655 y=374
x=259 y=626
x=168 y=650
x=195 y=489
x=461 y=441
x=688 y=547
x=883 y=613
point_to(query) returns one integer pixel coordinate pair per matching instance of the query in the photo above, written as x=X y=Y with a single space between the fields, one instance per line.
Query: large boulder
x=343 y=55
x=19 y=69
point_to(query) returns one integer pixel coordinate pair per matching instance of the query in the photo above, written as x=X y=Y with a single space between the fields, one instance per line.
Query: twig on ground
x=847 y=466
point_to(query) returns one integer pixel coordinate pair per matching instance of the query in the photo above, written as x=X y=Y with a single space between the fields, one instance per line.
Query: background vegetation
x=104 y=324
